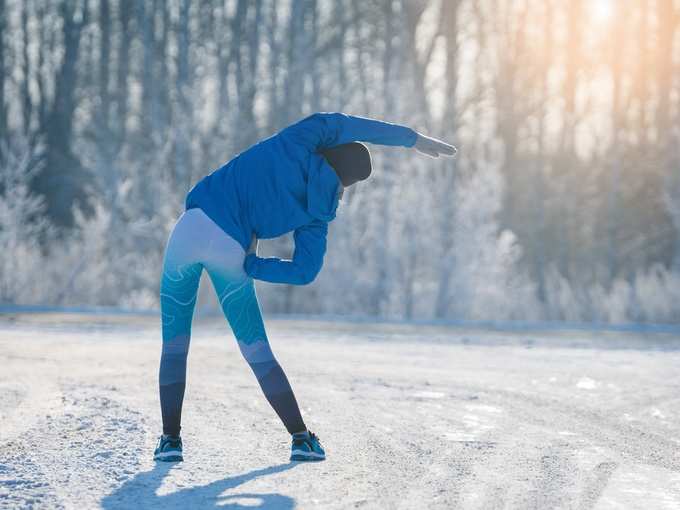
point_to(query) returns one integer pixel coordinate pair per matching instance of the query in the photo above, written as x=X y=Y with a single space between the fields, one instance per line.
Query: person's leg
x=242 y=310
x=236 y=294
x=179 y=286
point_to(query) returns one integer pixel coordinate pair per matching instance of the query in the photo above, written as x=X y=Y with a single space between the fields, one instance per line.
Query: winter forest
x=562 y=204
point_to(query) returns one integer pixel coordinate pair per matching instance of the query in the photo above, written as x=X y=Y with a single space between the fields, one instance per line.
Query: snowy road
x=411 y=417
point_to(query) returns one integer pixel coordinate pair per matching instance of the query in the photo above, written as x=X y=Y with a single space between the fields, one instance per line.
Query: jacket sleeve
x=310 y=248
x=324 y=130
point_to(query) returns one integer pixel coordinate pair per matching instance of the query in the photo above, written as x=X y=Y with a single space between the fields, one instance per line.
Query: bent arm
x=324 y=130
x=310 y=248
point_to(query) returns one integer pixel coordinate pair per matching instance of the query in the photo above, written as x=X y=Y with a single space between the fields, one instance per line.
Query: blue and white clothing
x=283 y=184
x=197 y=243
x=279 y=185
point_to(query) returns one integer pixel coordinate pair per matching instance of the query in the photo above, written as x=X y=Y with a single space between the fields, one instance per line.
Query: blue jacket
x=283 y=184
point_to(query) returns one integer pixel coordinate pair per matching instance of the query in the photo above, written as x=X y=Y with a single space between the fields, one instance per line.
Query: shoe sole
x=168 y=457
x=307 y=456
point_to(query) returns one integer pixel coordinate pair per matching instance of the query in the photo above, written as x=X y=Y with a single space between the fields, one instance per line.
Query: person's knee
x=258 y=351
x=176 y=345
x=173 y=368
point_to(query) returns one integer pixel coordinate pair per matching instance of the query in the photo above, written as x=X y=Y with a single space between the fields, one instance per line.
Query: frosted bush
x=658 y=295
x=616 y=305
x=112 y=259
x=113 y=255
x=22 y=228
x=562 y=300
x=652 y=295
x=488 y=283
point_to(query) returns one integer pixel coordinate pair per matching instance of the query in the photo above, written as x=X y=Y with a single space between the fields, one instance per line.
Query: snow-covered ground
x=411 y=417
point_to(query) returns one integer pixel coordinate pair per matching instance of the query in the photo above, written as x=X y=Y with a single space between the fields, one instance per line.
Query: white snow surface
x=411 y=416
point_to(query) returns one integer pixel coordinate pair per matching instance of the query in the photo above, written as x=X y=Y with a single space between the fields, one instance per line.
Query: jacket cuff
x=413 y=138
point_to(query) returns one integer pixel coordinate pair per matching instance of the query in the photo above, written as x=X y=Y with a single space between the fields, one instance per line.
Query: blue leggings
x=196 y=243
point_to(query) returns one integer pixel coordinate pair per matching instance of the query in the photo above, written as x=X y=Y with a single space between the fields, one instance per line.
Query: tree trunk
x=666 y=15
x=26 y=101
x=123 y=71
x=164 y=104
x=185 y=127
x=540 y=187
x=147 y=27
x=274 y=114
x=613 y=248
x=299 y=60
x=63 y=179
x=41 y=71
x=104 y=63
x=448 y=185
x=339 y=14
x=3 y=106
x=567 y=154
x=382 y=283
x=667 y=140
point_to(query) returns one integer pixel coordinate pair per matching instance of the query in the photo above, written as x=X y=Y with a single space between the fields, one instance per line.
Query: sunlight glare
x=602 y=10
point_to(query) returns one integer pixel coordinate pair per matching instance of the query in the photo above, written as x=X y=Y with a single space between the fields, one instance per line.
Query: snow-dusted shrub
x=111 y=257
x=672 y=201
x=488 y=283
x=615 y=305
x=657 y=295
x=398 y=272
x=652 y=295
x=562 y=300
x=22 y=228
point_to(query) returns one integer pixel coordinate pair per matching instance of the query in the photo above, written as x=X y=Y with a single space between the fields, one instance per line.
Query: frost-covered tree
x=672 y=195
x=488 y=280
x=564 y=116
x=24 y=229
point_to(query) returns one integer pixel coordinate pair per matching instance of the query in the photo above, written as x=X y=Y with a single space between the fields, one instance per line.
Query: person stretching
x=291 y=181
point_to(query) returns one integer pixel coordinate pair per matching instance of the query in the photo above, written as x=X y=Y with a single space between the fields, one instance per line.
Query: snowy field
x=411 y=417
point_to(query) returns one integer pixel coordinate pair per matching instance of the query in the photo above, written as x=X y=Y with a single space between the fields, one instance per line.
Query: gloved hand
x=253 y=246
x=433 y=147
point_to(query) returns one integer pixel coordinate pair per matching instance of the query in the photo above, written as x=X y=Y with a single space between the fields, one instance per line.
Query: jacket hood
x=322 y=191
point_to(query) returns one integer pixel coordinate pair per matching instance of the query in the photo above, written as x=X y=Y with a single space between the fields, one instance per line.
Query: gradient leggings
x=196 y=243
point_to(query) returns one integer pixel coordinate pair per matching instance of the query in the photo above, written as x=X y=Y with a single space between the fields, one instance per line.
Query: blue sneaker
x=306 y=446
x=169 y=449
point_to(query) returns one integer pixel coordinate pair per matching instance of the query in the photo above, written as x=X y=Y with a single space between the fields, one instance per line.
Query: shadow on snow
x=140 y=492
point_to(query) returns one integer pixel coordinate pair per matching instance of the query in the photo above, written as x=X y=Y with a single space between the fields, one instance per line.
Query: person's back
x=283 y=182
x=262 y=191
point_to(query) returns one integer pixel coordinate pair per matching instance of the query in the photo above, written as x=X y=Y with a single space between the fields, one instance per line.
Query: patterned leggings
x=196 y=243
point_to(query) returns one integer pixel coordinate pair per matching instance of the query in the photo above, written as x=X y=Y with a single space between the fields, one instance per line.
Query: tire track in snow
x=596 y=484
x=409 y=422
x=619 y=438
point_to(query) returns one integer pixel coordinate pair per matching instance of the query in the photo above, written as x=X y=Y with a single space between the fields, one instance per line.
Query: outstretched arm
x=310 y=248
x=323 y=130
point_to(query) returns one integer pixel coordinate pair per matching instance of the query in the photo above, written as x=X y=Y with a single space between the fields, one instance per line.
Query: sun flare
x=602 y=10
